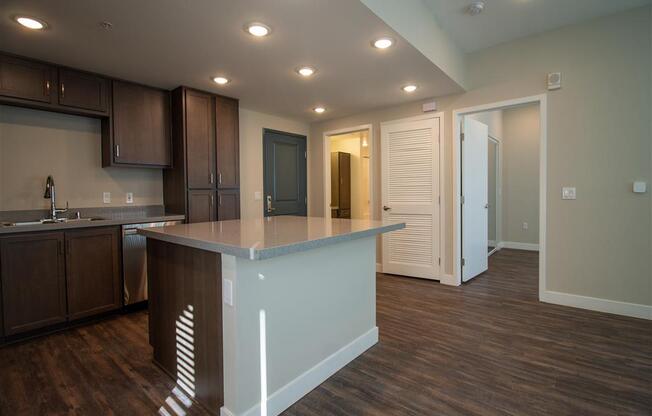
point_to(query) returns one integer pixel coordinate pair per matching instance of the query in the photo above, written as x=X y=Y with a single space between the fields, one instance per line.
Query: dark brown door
x=33 y=281
x=26 y=79
x=228 y=156
x=228 y=204
x=201 y=206
x=200 y=139
x=345 y=180
x=93 y=271
x=141 y=125
x=83 y=90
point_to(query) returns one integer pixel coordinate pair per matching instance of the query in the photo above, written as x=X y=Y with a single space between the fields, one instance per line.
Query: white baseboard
x=518 y=246
x=379 y=267
x=287 y=395
x=634 y=310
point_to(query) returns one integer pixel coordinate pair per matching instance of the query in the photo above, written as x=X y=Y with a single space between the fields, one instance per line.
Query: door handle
x=269 y=204
x=386 y=208
x=486 y=206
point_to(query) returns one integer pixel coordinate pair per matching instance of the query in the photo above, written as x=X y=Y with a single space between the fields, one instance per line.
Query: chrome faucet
x=50 y=193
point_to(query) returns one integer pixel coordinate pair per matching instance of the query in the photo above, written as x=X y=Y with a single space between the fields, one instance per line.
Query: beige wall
x=35 y=144
x=520 y=174
x=252 y=124
x=599 y=139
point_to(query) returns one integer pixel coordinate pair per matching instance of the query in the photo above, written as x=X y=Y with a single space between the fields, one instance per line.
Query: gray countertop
x=108 y=217
x=263 y=238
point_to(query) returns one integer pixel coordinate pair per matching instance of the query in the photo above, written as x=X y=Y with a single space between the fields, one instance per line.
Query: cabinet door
x=228 y=204
x=93 y=271
x=141 y=125
x=83 y=90
x=201 y=206
x=200 y=140
x=32 y=271
x=25 y=79
x=228 y=156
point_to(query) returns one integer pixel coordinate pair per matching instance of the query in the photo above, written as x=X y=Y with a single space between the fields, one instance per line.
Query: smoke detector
x=475 y=8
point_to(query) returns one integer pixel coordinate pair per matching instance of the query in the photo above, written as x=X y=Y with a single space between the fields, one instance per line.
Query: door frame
x=327 y=165
x=443 y=278
x=299 y=136
x=458 y=114
x=499 y=193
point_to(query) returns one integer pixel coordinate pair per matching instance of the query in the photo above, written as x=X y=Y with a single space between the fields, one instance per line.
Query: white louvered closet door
x=410 y=194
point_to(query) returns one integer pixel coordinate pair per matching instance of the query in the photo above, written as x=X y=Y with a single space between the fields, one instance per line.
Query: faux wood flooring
x=485 y=348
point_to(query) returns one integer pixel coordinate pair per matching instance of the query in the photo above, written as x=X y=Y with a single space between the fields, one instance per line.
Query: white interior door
x=475 y=170
x=410 y=194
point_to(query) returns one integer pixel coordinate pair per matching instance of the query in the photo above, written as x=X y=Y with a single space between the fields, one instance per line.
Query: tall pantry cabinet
x=205 y=179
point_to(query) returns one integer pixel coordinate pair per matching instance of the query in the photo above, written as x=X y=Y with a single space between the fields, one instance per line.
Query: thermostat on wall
x=639 y=187
x=554 y=80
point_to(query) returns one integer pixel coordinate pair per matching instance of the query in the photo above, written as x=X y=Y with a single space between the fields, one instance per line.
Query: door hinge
x=439 y=261
x=463 y=261
x=462 y=136
x=305 y=201
x=439 y=200
x=462 y=199
x=305 y=154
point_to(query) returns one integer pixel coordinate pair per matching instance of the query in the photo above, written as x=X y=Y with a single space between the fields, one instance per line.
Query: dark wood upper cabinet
x=22 y=79
x=140 y=130
x=228 y=151
x=32 y=272
x=201 y=206
x=228 y=204
x=83 y=90
x=93 y=271
x=200 y=140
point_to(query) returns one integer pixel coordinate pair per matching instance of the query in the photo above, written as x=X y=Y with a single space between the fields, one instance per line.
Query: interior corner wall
x=599 y=140
x=252 y=124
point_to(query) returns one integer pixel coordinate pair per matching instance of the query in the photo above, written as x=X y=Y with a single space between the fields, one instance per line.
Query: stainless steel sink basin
x=49 y=221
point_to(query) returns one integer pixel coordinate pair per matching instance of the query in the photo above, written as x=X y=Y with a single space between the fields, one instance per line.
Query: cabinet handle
x=211 y=201
x=219 y=200
x=212 y=177
x=47 y=87
x=117 y=150
x=219 y=177
x=63 y=90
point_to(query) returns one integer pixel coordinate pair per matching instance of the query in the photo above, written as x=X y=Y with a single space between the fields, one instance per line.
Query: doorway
x=347 y=173
x=512 y=170
x=285 y=171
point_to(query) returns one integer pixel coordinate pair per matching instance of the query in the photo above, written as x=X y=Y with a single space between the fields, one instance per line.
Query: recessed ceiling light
x=306 y=71
x=409 y=88
x=258 y=29
x=475 y=8
x=383 y=43
x=30 y=22
x=319 y=110
x=221 y=80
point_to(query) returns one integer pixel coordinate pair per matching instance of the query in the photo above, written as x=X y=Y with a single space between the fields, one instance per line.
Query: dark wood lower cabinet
x=93 y=271
x=185 y=318
x=33 y=281
x=228 y=204
x=201 y=206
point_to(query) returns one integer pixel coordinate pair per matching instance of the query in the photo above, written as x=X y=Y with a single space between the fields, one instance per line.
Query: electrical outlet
x=106 y=197
x=525 y=225
x=130 y=197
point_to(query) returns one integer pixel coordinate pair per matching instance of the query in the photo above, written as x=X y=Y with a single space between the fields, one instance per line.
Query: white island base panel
x=294 y=321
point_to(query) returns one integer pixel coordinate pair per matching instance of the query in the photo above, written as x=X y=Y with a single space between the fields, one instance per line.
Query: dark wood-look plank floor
x=485 y=348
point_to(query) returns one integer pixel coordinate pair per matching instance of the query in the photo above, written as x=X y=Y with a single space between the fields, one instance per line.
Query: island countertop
x=263 y=238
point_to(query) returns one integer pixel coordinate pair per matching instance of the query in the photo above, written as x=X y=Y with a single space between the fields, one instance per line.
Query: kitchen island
x=248 y=316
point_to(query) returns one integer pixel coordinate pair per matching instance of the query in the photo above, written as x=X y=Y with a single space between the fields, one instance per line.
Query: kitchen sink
x=49 y=221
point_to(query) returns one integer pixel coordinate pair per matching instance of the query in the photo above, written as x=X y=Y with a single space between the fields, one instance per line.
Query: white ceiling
x=506 y=20
x=168 y=43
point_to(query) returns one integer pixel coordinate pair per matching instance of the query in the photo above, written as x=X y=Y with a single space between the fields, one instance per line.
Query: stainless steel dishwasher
x=134 y=260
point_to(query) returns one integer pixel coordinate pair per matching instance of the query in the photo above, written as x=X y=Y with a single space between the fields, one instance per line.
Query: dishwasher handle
x=130 y=231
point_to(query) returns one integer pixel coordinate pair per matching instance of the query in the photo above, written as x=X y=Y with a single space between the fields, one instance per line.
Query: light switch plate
x=568 y=192
x=106 y=197
x=639 y=187
x=227 y=291
x=258 y=196
x=130 y=198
